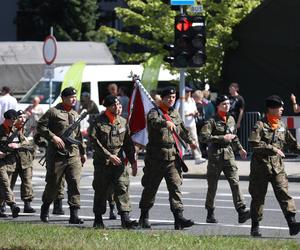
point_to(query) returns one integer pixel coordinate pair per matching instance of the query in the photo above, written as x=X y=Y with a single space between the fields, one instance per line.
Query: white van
x=95 y=80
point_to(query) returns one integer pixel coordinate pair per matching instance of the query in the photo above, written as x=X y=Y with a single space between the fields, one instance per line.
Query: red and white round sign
x=49 y=49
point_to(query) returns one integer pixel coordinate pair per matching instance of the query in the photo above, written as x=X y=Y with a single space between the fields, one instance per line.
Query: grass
x=23 y=236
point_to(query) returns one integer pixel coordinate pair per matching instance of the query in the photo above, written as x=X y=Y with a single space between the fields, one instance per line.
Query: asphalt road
x=194 y=191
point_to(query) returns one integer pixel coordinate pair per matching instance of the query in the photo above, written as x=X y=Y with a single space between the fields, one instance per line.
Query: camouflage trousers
x=6 y=193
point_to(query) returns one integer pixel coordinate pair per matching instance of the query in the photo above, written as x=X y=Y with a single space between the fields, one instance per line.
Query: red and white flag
x=139 y=107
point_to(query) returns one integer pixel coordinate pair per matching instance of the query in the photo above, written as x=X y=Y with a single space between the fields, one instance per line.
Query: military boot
x=44 y=216
x=181 y=222
x=244 y=214
x=211 y=216
x=15 y=210
x=74 y=219
x=144 y=219
x=3 y=215
x=255 y=231
x=28 y=208
x=58 y=207
x=294 y=226
x=112 y=214
x=127 y=223
x=98 y=222
x=3 y=207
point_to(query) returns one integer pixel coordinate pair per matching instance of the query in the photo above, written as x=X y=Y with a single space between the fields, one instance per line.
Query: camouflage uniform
x=161 y=160
x=110 y=139
x=221 y=158
x=267 y=166
x=54 y=122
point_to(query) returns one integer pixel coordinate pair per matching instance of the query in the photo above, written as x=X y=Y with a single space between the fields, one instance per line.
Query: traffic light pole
x=182 y=96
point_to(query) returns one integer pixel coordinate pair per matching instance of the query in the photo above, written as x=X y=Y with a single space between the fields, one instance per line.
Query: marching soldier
x=220 y=135
x=162 y=160
x=110 y=139
x=61 y=158
x=267 y=139
x=8 y=162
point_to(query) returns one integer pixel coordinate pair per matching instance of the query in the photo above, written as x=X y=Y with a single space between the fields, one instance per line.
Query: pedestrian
x=237 y=104
x=7 y=101
x=34 y=112
x=162 y=160
x=8 y=161
x=296 y=107
x=62 y=158
x=110 y=138
x=219 y=133
x=24 y=164
x=268 y=138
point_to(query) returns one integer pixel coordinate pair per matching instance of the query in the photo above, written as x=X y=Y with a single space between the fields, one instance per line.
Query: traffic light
x=189 y=44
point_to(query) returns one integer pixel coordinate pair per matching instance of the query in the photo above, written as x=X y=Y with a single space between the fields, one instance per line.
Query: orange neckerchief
x=164 y=107
x=66 y=107
x=273 y=121
x=6 y=127
x=222 y=115
x=111 y=117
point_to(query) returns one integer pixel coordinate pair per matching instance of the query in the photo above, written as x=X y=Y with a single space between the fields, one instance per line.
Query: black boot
x=211 y=216
x=294 y=226
x=255 y=231
x=244 y=214
x=181 y=222
x=144 y=219
x=127 y=223
x=98 y=222
x=74 y=219
x=28 y=208
x=112 y=214
x=57 y=207
x=3 y=207
x=44 y=216
x=15 y=210
x=3 y=215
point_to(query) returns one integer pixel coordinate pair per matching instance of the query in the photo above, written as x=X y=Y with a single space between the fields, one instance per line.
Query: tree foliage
x=155 y=22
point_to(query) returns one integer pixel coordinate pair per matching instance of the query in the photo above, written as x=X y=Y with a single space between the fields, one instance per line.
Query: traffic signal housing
x=189 y=44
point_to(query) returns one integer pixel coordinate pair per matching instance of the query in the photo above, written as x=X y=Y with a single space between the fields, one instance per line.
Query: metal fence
x=249 y=119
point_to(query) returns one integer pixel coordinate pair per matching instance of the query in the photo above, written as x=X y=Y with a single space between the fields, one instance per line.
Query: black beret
x=221 y=98
x=20 y=112
x=68 y=91
x=274 y=101
x=11 y=114
x=168 y=91
x=110 y=100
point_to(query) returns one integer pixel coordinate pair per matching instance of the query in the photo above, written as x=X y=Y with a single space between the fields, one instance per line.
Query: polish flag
x=139 y=107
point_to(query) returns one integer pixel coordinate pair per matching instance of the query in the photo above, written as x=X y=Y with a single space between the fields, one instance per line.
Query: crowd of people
x=209 y=130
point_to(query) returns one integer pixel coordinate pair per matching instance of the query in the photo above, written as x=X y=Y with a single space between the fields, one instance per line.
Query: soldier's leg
x=14 y=178
x=26 y=189
x=73 y=175
x=286 y=202
x=58 y=204
x=258 y=186
x=214 y=169
x=101 y=182
x=111 y=202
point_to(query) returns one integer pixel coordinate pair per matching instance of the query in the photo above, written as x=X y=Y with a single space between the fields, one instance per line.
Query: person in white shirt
x=190 y=111
x=7 y=101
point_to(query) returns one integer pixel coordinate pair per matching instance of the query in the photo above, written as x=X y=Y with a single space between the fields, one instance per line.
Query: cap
x=188 y=89
x=110 y=100
x=68 y=91
x=168 y=91
x=221 y=98
x=274 y=101
x=10 y=114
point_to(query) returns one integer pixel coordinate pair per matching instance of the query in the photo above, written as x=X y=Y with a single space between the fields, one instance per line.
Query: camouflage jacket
x=55 y=122
x=265 y=141
x=111 y=139
x=161 y=145
x=213 y=133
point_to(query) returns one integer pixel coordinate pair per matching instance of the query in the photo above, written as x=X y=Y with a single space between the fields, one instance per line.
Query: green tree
x=155 y=22
x=71 y=19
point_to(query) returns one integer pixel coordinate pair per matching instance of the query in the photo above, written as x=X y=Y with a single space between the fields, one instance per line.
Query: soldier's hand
x=278 y=151
x=243 y=154
x=14 y=145
x=2 y=155
x=229 y=137
x=115 y=160
x=193 y=145
x=171 y=126
x=83 y=158
x=134 y=168
x=58 y=142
